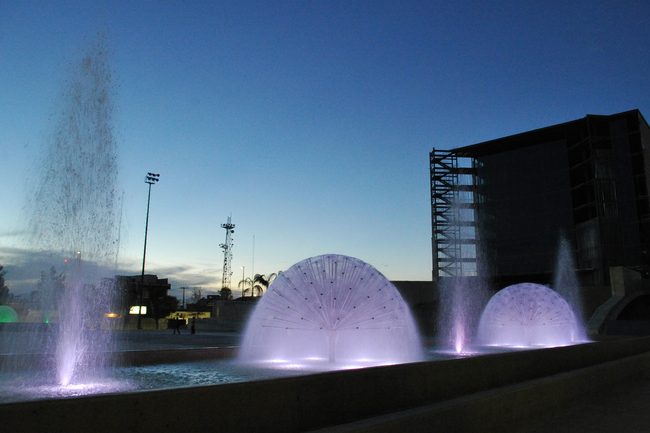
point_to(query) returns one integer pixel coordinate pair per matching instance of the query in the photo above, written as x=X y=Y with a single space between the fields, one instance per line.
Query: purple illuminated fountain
x=565 y=283
x=461 y=302
x=523 y=315
x=331 y=312
x=532 y=315
x=528 y=315
x=72 y=216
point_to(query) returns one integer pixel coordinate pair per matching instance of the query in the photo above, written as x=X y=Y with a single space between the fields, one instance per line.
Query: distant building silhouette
x=153 y=287
x=508 y=200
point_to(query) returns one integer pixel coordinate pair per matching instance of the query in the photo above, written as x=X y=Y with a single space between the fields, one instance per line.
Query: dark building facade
x=153 y=288
x=500 y=207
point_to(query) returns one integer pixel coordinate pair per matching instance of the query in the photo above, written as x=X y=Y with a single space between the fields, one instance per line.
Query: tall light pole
x=183 y=289
x=243 y=280
x=150 y=179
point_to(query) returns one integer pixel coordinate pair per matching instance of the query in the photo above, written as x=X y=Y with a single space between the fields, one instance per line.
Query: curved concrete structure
x=608 y=313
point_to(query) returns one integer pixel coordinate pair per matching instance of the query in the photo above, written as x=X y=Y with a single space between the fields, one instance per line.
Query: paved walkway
x=166 y=339
x=625 y=408
x=19 y=342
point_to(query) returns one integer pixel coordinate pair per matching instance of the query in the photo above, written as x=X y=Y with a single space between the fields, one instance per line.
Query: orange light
x=111 y=315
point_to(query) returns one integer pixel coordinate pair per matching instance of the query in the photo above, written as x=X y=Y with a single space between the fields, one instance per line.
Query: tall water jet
x=73 y=210
x=528 y=315
x=463 y=294
x=331 y=310
x=461 y=303
x=565 y=282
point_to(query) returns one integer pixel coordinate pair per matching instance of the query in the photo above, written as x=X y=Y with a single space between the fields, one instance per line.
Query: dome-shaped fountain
x=528 y=315
x=7 y=314
x=334 y=311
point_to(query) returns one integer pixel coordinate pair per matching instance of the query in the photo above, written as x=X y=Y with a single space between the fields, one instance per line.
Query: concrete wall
x=422 y=299
x=627 y=287
x=234 y=311
x=626 y=281
x=592 y=298
x=308 y=402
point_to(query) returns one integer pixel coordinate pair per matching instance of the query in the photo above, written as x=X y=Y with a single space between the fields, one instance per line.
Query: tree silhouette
x=245 y=285
x=261 y=282
x=197 y=294
x=4 y=290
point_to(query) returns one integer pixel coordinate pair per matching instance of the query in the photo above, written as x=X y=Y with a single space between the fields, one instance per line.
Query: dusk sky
x=310 y=122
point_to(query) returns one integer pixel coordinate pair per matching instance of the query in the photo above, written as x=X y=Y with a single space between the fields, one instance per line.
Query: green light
x=7 y=314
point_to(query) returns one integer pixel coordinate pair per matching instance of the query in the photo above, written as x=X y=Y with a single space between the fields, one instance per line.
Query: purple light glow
x=335 y=309
x=528 y=315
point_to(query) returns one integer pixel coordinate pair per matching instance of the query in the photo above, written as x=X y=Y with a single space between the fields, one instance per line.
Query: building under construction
x=500 y=207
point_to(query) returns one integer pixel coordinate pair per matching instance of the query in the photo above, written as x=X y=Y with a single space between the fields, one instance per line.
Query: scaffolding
x=453 y=214
x=588 y=179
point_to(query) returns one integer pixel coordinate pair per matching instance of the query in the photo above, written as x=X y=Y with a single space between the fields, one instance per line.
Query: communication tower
x=227 y=254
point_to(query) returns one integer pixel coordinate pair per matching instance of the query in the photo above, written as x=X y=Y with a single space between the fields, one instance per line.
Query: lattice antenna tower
x=227 y=254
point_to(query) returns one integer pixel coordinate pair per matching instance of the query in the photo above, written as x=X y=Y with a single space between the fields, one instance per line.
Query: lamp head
x=151 y=178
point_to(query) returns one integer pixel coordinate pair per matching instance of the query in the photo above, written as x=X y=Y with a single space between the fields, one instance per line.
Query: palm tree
x=243 y=284
x=262 y=282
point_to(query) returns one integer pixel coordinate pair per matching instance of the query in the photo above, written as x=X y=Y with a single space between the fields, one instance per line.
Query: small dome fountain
x=528 y=315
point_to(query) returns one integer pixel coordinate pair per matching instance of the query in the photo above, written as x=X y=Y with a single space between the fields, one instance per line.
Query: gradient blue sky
x=310 y=122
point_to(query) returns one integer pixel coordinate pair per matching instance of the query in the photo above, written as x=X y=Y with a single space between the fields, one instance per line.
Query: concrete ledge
x=310 y=402
x=504 y=409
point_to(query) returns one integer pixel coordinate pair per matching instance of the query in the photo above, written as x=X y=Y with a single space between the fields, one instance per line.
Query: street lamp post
x=183 y=289
x=243 y=280
x=150 y=179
